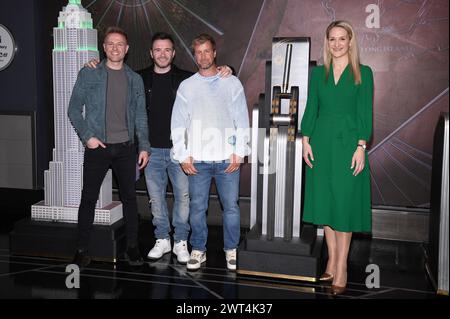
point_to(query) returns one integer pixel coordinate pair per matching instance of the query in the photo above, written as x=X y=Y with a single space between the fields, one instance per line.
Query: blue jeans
x=159 y=168
x=228 y=189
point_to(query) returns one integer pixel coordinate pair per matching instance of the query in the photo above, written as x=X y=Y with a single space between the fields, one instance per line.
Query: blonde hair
x=202 y=38
x=353 y=54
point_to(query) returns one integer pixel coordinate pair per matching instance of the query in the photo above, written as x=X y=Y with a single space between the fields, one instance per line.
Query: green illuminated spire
x=86 y=48
x=59 y=48
x=86 y=24
x=75 y=2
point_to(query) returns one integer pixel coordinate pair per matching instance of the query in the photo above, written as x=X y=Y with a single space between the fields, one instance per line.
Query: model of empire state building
x=75 y=43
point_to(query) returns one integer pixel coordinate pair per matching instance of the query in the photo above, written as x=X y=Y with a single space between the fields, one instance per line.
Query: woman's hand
x=358 y=160
x=307 y=151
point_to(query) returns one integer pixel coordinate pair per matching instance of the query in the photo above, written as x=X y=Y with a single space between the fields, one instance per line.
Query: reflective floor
x=401 y=265
x=402 y=275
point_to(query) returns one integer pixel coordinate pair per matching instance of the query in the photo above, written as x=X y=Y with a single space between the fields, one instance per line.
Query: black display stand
x=278 y=244
x=298 y=259
x=58 y=240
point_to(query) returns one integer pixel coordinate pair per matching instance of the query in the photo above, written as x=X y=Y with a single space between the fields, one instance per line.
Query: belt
x=347 y=128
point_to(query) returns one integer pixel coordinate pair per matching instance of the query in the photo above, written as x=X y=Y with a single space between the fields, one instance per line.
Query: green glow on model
x=86 y=24
x=87 y=49
x=59 y=49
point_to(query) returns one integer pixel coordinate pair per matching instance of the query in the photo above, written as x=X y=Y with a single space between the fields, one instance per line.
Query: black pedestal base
x=298 y=259
x=58 y=240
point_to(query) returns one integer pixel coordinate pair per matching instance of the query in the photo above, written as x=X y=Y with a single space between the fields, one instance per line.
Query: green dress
x=336 y=117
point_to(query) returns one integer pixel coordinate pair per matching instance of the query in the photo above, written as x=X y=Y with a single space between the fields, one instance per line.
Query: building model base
x=59 y=240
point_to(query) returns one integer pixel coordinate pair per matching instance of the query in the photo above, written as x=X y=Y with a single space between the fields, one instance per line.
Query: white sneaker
x=197 y=258
x=180 y=250
x=230 y=256
x=161 y=247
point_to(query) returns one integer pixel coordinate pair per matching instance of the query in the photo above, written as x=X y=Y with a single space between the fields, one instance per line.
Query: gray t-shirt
x=116 y=100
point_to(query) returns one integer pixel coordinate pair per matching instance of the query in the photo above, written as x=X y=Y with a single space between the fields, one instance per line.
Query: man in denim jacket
x=114 y=104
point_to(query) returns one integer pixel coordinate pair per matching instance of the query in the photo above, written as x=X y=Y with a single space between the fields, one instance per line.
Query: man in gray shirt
x=210 y=132
x=116 y=99
x=113 y=102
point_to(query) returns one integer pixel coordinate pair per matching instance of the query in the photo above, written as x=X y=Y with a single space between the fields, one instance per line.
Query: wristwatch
x=363 y=146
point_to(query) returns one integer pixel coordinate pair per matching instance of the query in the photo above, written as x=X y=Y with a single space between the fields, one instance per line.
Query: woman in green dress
x=336 y=127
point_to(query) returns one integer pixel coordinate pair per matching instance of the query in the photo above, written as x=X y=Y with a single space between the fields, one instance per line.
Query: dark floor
x=402 y=274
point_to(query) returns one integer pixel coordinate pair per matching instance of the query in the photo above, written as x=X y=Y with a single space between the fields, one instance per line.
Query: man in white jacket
x=210 y=133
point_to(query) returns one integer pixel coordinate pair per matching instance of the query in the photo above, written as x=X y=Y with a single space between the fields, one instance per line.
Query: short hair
x=114 y=29
x=162 y=36
x=203 y=38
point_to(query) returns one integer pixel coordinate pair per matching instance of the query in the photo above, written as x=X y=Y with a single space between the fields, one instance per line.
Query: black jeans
x=122 y=158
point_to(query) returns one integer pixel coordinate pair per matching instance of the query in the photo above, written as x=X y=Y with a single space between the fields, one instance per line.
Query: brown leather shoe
x=337 y=290
x=326 y=277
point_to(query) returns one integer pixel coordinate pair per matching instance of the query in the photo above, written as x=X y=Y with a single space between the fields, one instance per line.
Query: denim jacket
x=90 y=91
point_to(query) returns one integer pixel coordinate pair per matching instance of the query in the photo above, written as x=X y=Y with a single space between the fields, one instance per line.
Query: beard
x=205 y=66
